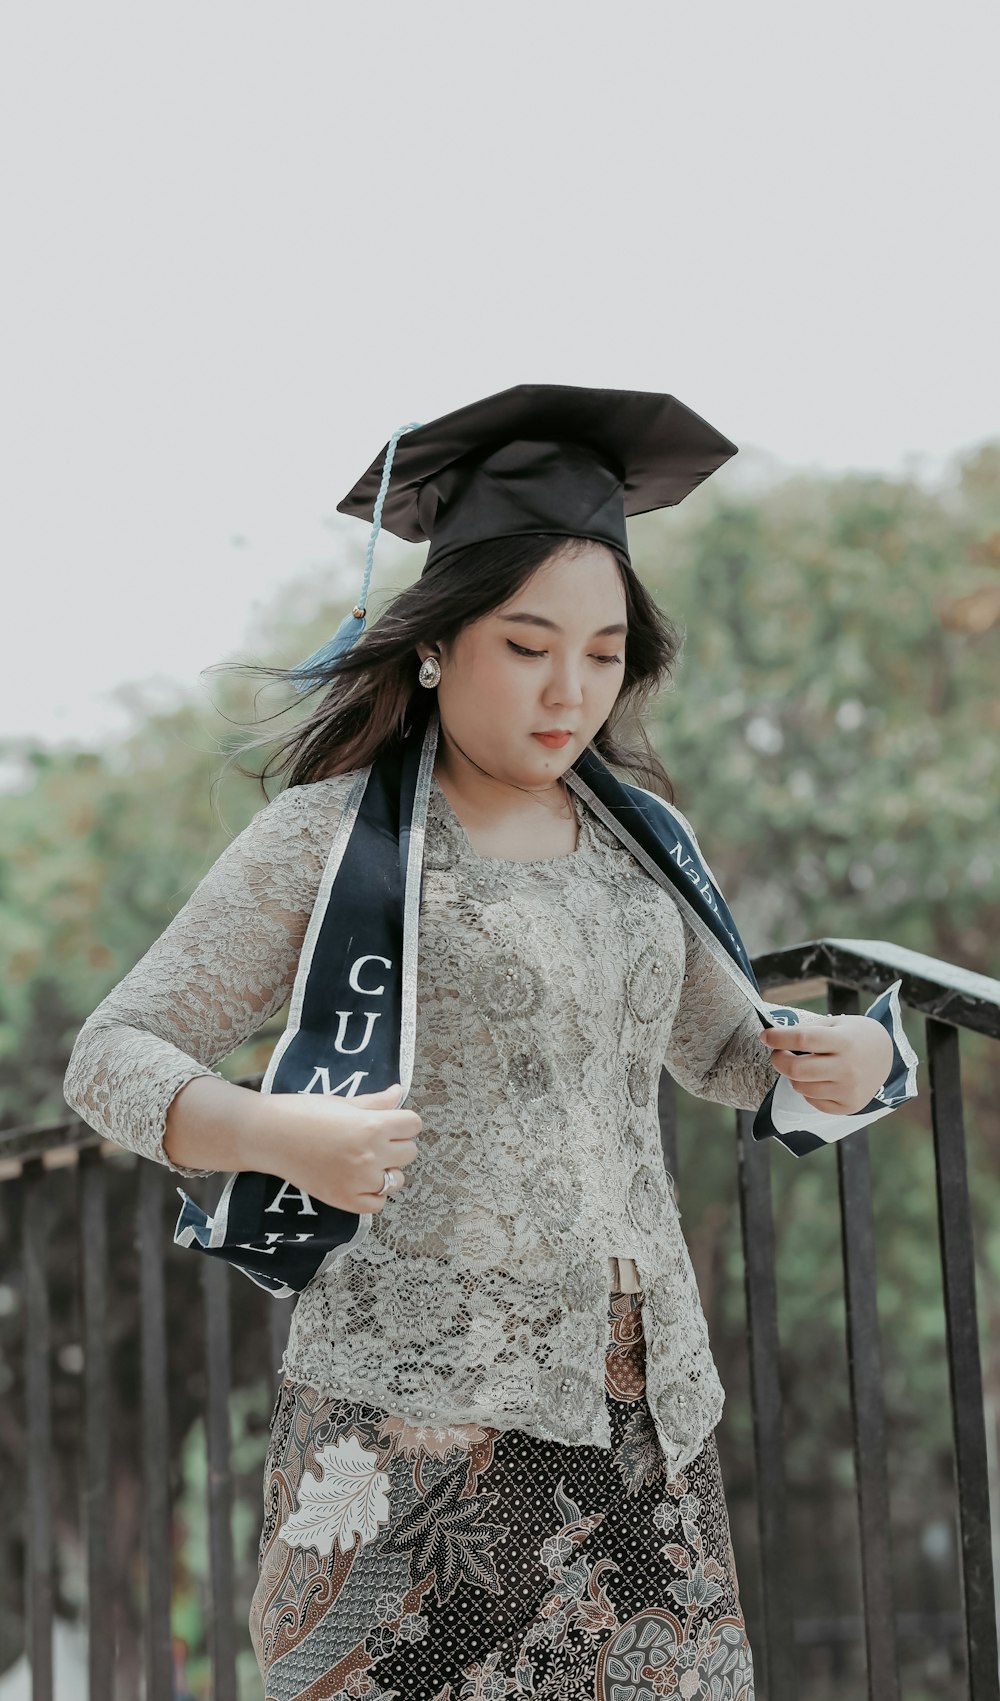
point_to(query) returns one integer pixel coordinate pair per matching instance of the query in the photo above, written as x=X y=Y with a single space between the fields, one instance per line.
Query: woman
x=492 y=1469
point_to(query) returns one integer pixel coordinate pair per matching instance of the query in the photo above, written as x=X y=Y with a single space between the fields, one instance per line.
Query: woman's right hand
x=335 y=1149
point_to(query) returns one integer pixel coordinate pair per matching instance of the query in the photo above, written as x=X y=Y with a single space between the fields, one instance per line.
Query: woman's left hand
x=848 y=1060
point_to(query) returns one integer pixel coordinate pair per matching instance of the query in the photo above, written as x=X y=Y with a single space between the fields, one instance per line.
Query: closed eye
x=521 y=651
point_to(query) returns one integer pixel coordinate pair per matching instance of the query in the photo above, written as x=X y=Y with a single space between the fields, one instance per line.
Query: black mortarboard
x=549 y=459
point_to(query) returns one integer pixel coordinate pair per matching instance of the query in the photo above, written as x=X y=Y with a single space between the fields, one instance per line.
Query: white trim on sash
x=345 y=826
x=787 y=1114
x=691 y=915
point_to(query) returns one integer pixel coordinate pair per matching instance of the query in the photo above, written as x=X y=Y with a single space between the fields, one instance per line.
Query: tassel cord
x=308 y=673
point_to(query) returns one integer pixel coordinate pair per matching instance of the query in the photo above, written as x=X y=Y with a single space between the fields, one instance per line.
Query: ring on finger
x=388 y=1180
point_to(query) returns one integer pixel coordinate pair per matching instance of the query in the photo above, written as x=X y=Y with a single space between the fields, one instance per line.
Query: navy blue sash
x=352 y=1015
x=350 y=1026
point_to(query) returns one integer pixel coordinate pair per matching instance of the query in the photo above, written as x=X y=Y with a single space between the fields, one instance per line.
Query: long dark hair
x=372 y=697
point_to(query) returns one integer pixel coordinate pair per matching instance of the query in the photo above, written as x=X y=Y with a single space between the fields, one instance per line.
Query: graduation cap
x=535 y=460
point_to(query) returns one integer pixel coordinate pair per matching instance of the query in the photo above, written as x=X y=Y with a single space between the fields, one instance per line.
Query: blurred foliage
x=836 y=693
x=833 y=732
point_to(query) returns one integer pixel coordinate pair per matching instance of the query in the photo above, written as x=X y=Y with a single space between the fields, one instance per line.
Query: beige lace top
x=549 y=996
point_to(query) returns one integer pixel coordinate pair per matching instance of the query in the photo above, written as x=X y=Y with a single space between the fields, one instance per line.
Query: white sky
x=243 y=242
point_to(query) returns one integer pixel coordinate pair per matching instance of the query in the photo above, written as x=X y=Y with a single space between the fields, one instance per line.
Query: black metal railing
x=949 y=999
x=34 y=1162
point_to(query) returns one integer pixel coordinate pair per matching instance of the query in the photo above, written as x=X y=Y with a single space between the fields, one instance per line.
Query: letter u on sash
x=343 y=1017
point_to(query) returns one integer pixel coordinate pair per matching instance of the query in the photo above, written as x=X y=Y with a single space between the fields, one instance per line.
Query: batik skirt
x=463 y=1563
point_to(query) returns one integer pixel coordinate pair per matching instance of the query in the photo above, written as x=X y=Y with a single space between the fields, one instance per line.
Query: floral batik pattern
x=423 y=1562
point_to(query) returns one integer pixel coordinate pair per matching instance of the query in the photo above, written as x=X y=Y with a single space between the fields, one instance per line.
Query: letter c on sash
x=369 y=991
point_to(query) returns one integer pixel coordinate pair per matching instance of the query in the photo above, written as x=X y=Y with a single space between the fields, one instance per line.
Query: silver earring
x=430 y=672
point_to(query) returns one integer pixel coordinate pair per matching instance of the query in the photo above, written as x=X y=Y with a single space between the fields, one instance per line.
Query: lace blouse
x=549 y=995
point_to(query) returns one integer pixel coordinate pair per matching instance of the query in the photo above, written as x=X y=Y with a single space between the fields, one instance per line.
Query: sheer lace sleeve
x=217 y=973
x=715 y=1048
x=716 y=1052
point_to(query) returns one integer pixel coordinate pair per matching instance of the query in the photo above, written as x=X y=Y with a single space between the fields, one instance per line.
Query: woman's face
x=551 y=659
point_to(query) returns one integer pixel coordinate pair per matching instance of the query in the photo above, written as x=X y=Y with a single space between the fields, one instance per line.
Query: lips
x=553 y=740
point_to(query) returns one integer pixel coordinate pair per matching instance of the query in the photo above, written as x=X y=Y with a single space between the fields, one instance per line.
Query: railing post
x=964 y=1369
x=38 y=1425
x=155 y=1436
x=857 y=1228
x=215 y=1286
x=666 y=1106
x=92 y=1179
x=278 y=1324
x=757 y=1223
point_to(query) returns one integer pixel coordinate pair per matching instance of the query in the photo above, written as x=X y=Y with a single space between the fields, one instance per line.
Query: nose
x=565 y=685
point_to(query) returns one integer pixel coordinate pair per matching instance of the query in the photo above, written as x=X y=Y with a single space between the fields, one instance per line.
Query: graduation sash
x=352 y=1015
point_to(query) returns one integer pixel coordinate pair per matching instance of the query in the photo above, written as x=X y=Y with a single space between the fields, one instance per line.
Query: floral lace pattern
x=549 y=995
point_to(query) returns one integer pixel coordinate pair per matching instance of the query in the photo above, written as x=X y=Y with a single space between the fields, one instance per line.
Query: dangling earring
x=430 y=672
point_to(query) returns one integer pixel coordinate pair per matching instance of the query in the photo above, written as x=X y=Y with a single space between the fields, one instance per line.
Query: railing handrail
x=930 y=986
x=68 y=1133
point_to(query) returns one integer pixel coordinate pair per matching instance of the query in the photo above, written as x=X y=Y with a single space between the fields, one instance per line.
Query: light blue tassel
x=308 y=673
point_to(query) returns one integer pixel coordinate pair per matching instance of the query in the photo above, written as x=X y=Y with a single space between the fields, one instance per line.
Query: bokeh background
x=241 y=245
